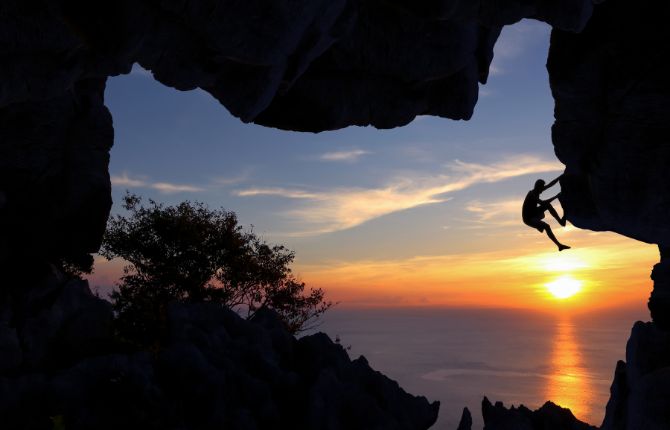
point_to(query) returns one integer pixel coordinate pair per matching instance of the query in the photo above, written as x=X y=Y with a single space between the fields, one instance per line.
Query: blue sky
x=173 y=145
x=362 y=208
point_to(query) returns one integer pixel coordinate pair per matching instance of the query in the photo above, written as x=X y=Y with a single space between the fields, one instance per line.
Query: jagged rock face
x=304 y=65
x=549 y=417
x=640 y=397
x=616 y=410
x=612 y=128
x=59 y=358
x=54 y=184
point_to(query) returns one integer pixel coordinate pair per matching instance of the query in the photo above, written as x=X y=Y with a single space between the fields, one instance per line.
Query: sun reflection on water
x=568 y=385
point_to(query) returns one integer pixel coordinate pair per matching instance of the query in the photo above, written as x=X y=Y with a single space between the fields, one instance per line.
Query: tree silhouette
x=190 y=253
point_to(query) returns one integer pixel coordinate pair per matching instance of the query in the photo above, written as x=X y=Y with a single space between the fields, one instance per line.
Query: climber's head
x=539 y=185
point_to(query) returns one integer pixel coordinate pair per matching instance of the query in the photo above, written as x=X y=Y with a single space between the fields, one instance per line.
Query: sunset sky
x=423 y=215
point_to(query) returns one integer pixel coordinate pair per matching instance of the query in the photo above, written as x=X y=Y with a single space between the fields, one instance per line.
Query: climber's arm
x=551 y=184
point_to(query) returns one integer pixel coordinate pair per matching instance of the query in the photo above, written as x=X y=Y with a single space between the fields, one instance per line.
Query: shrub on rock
x=190 y=253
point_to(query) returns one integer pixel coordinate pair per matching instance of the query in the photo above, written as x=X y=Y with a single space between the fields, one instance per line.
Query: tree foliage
x=76 y=266
x=190 y=253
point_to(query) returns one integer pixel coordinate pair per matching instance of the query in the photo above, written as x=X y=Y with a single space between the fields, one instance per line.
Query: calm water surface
x=458 y=356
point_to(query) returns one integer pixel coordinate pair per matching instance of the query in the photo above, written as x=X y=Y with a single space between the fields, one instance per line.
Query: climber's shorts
x=537 y=223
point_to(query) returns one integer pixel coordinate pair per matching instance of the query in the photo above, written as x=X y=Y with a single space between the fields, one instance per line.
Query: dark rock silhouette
x=659 y=301
x=641 y=387
x=615 y=412
x=307 y=65
x=213 y=370
x=612 y=114
x=612 y=126
x=549 y=417
x=466 y=420
x=54 y=155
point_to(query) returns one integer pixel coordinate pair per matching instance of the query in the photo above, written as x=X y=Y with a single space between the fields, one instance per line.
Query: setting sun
x=564 y=287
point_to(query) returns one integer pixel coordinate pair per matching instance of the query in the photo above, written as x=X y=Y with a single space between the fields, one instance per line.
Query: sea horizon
x=460 y=355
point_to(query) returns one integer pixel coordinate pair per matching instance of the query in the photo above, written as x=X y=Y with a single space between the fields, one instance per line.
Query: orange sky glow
x=612 y=271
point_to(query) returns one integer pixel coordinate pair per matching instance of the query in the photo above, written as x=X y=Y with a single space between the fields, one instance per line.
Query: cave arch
x=318 y=66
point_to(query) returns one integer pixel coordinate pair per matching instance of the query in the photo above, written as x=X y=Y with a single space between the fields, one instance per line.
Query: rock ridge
x=60 y=360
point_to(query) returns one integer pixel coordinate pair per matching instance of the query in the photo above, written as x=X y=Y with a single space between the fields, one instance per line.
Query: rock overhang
x=314 y=66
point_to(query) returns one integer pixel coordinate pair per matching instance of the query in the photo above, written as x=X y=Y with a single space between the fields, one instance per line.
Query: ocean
x=458 y=356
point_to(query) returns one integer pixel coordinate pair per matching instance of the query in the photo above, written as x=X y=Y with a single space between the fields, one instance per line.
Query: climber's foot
x=562 y=247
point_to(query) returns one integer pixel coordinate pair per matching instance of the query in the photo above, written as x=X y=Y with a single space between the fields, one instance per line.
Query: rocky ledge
x=61 y=364
x=549 y=417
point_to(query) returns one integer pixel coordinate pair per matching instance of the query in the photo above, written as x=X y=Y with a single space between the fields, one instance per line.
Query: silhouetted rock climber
x=534 y=209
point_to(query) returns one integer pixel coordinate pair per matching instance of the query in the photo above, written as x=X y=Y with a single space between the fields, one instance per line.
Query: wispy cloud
x=124 y=180
x=168 y=188
x=495 y=214
x=281 y=192
x=348 y=156
x=226 y=181
x=485 y=92
x=494 y=69
x=343 y=208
